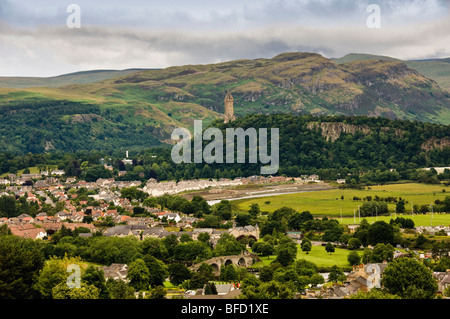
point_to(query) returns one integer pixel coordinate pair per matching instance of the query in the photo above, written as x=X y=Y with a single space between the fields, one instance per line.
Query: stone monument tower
x=229 y=111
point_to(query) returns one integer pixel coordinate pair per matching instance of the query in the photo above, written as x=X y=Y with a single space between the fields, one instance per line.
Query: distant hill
x=436 y=69
x=129 y=106
x=363 y=56
x=83 y=77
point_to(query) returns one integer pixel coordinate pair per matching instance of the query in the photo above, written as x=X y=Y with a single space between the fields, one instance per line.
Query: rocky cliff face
x=331 y=131
x=435 y=143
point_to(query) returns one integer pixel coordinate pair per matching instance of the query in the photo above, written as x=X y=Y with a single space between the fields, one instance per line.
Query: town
x=133 y=209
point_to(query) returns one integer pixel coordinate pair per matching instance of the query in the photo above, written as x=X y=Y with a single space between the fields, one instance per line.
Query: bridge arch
x=242 y=260
x=228 y=262
x=215 y=267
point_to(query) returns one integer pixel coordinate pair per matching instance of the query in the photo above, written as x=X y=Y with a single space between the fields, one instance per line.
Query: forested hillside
x=360 y=148
x=140 y=108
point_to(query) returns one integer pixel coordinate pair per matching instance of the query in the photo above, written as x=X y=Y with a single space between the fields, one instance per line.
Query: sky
x=36 y=39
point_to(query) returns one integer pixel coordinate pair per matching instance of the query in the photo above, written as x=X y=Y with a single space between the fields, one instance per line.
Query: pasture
x=335 y=203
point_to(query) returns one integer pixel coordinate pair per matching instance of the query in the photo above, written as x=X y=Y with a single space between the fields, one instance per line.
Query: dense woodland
x=378 y=157
x=41 y=125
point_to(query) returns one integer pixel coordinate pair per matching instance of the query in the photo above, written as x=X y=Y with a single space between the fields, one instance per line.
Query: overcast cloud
x=35 y=41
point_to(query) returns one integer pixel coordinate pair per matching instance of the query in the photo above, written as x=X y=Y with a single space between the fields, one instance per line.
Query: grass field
x=318 y=256
x=33 y=170
x=419 y=220
x=329 y=202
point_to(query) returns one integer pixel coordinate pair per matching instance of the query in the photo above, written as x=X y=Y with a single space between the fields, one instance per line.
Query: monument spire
x=229 y=111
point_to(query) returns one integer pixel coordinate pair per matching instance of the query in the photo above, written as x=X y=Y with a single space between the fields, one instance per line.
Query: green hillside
x=153 y=102
x=435 y=69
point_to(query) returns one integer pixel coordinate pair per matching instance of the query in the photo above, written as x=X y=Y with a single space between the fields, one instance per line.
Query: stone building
x=229 y=111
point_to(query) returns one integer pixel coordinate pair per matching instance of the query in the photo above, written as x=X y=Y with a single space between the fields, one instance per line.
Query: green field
x=317 y=255
x=33 y=170
x=329 y=202
x=419 y=220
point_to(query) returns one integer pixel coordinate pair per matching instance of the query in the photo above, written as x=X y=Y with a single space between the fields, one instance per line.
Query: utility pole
x=431 y=214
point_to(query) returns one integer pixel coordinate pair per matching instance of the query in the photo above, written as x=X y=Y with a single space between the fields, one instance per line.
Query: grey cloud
x=219 y=34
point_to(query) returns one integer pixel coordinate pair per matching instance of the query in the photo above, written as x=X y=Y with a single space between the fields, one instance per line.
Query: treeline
x=381 y=156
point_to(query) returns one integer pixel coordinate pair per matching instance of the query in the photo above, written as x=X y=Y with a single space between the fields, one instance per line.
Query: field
x=329 y=202
x=33 y=170
x=419 y=220
x=318 y=256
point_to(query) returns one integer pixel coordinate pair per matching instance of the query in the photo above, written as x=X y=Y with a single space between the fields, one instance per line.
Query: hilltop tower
x=229 y=111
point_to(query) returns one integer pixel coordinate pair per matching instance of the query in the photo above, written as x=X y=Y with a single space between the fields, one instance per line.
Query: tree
x=157 y=271
x=400 y=207
x=353 y=258
x=336 y=274
x=243 y=219
x=266 y=274
x=204 y=237
x=228 y=245
x=298 y=219
x=178 y=273
x=139 y=275
x=367 y=255
x=210 y=289
x=286 y=251
x=329 y=248
x=223 y=209
x=119 y=289
x=228 y=273
x=108 y=250
x=306 y=245
x=409 y=279
x=382 y=252
x=254 y=210
x=158 y=293
x=86 y=291
x=95 y=276
x=20 y=263
x=317 y=279
x=374 y=294
x=353 y=243
x=253 y=288
x=380 y=232
x=188 y=252
x=54 y=273
x=362 y=232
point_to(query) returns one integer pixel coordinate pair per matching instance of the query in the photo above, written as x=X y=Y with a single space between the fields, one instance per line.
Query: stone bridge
x=242 y=260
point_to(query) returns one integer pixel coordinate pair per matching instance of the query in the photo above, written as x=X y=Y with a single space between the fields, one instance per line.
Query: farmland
x=339 y=202
x=317 y=255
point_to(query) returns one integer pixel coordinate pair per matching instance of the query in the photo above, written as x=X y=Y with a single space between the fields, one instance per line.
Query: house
x=443 y=280
x=362 y=278
x=125 y=230
x=116 y=271
x=367 y=276
x=41 y=217
x=28 y=231
x=170 y=216
x=58 y=172
x=25 y=218
x=352 y=228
